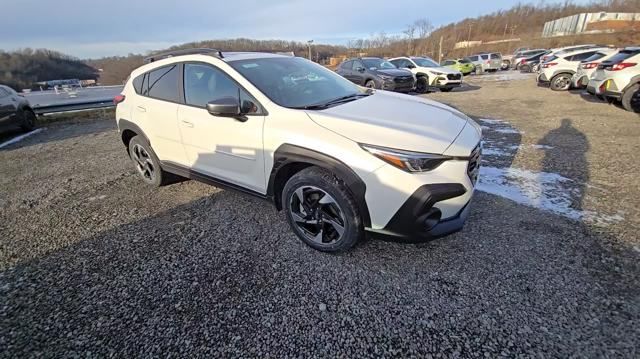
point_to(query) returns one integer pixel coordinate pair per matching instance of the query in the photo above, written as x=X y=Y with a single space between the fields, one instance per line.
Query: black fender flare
x=126 y=125
x=570 y=72
x=288 y=154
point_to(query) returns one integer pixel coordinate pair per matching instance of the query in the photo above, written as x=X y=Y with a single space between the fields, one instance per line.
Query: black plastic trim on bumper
x=408 y=225
x=613 y=94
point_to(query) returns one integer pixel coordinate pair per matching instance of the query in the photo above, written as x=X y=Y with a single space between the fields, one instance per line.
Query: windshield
x=425 y=62
x=295 y=82
x=378 y=64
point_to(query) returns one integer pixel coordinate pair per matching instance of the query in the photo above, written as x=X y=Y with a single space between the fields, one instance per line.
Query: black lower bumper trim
x=413 y=222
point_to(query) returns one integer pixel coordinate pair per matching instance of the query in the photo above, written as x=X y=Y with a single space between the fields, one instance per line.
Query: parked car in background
x=429 y=74
x=15 y=110
x=517 y=59
x=528 y=64
x=377 y=73
x=486 y=62
x=618 y=79
x=558 y=71
x=341 y=161
x=588 y=66
x=563 y=50
x=507 y=60
x=463 y=65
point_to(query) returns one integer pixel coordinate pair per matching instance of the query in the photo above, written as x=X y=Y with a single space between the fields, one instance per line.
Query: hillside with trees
x=22 y=69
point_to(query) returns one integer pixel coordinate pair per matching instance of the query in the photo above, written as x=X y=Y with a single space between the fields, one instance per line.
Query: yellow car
x=463 y=65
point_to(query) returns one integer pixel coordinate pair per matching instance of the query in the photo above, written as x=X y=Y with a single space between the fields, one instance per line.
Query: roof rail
x=182 y=52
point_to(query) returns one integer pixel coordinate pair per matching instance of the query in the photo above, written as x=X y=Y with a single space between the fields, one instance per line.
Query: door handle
x=142 y=109
x=187 y=123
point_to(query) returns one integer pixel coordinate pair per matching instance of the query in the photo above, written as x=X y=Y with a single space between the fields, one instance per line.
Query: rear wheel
x=28 y=120
x=322 y=211
x=631 y=99
x=370 y=84
x=561 y=82
x=147 y=163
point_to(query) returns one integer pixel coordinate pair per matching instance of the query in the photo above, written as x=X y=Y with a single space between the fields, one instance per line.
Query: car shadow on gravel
x=57 y=132
x=213 y=278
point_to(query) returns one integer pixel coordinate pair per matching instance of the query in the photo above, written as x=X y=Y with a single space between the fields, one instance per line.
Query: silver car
x=490 y=62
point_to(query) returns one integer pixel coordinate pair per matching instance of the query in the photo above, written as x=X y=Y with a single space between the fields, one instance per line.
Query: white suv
x=588 y=66
x=558 y=70
x=618 y=79
x=429 y=74
x=340 y=159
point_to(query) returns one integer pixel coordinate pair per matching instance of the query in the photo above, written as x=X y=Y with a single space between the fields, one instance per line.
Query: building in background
x=591 y=23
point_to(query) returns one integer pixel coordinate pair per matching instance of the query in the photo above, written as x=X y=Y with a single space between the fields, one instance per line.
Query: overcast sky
x=95 y=28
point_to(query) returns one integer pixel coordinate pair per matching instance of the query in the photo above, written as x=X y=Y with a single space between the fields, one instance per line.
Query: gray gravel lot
x=94 y=263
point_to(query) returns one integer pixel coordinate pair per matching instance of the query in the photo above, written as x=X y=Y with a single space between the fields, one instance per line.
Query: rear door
x=6 y=107
x=227 y=148
x=156 y=112
x=358 y=73
x=345 y=70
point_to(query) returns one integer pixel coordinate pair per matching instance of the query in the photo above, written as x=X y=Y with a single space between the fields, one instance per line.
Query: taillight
x=591 y=65
x=523 y=61
x=603 y=87
x=118 y=99
x=488 y=61
x=622 y=66
x=550 y=64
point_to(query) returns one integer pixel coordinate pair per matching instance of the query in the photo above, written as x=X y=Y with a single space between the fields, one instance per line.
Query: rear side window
x=495 y=56
x=163 y=83
x=580 y=57
x=473 y=58
x=594 y=57
x=346 y=65
x=485 y=57
x=137 y=83
x=622 y=55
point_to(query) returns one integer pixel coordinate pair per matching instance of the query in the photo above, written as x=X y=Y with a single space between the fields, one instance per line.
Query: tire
x=560 y=82
x=322 y=211
x=525 y=68
x=631 y=98
x=28 y=120
x=422 y=85
x=448 y=89
x=370 y=84
x=147 y=163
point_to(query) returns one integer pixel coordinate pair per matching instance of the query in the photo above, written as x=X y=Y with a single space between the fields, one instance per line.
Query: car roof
x=575 y=52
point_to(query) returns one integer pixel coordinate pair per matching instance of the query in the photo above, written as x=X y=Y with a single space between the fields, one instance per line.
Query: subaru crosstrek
x=341 y=160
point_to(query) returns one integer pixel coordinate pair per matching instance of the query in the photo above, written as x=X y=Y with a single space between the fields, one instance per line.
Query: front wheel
x=561 y=82
x=370 y=84
x=28 y=120
x=147 y=163
x=422 y=85
x=631 y=99
x=321 y=210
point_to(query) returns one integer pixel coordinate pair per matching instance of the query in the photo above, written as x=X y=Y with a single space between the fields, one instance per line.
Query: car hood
x=396 y=121
x=393 y=72
x=444 y=70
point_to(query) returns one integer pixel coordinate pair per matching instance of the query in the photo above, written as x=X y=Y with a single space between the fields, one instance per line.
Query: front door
x=227 y=148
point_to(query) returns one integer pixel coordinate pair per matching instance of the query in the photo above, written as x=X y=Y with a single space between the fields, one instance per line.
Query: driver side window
x=357 y=65
x=204 y=83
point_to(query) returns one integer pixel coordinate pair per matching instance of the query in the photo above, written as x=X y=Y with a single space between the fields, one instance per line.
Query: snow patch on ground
x=503 y=76
x=550 y=192
x=20 y=138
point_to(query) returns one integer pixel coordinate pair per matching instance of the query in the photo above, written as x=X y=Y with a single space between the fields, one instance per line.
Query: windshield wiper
x=335 y=101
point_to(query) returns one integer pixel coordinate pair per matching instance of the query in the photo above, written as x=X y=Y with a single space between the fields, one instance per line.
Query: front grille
x=473 y=168
x=454 y=76
x=403 y=79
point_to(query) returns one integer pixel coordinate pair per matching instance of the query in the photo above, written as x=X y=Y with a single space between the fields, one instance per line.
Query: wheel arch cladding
x=129 y=130
x=634 y=81
x=290 y=159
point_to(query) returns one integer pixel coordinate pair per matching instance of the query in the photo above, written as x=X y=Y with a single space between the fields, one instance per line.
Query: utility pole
x=440 y=50
x=309 y=44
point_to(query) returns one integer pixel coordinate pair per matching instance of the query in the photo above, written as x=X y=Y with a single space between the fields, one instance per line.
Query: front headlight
x=437 y=73
x=407 y=160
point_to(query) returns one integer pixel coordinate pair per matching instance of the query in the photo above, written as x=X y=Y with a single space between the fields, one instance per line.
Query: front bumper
x=399 y=86
x=444 y=82
x=419 y=219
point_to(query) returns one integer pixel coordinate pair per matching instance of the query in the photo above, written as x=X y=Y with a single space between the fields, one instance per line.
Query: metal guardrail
x=41 y=110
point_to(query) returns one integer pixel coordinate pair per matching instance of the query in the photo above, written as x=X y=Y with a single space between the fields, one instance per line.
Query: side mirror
x=224 y=107
x=360 y=69
x=411 y=66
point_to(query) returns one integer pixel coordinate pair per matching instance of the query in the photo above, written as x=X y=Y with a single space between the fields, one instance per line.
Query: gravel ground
x=94 y=263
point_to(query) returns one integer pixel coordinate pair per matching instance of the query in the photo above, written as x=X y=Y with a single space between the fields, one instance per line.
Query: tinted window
x=622 y=55
x=485 y=57
x=378 y=64
x=347 y=65
x=449 y=62
x=465 y=61
x=204 y=83
x=163 y=83
x=594 y=57
x=473 y=58
x=495 y=56
x=137 y=83
x=357 y=65
x=580 y=57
